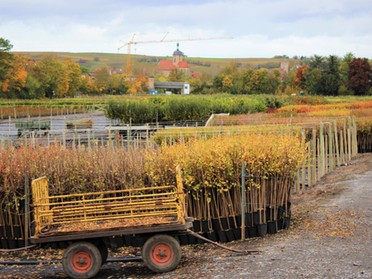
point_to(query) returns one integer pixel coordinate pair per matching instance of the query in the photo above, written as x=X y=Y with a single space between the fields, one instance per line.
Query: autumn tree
x=258 y=82
x=360 y=76
x=102 y=79
x=229 y=80
x=53 y=78
x=119 y=84
x=138 y=85
x=74 y=77
x=300 y=80
x=288 y=83
x=16 y=78
x=273 y=81
x=176 y=75
x=6 y=59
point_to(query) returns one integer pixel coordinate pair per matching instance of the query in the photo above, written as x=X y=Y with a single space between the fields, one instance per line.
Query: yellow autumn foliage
x=216 y=162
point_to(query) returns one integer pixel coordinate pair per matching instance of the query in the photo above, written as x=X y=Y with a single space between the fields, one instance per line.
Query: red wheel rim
x=162 y=254
x=81 y=262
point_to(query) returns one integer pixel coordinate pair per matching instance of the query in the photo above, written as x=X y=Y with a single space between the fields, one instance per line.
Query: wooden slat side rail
x=159 y=201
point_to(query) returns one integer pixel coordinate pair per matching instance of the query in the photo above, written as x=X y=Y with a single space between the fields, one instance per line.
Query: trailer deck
x=86 y=221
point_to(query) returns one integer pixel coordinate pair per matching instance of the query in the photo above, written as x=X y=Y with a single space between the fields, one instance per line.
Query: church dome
x=178 y=52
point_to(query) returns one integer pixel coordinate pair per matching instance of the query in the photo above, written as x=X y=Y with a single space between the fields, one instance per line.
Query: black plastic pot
x=272 y=227
x=2 y=231
x=200 y=241
x=4 y=243
x=20 y=243
x=286 y=222
x=212 y=235
x=280 y=223
x=256 y=217
x=216 y=224
x=281 y=212
x=8 y=231
x=17 y=231
x=230 y=235
x=232 y=222
x=222 y=236
x=224 y=223
x=237 y=233
x=261 y=230
x=12 y=243
x=196 y=226
x=205 y=226
x=238 y=219
x=249 y=220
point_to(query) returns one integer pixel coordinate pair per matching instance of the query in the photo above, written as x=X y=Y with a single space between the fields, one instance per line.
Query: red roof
x=166 y=65
x=183 y=64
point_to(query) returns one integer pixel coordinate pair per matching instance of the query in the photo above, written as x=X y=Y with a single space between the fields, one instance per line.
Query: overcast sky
x=259 y=28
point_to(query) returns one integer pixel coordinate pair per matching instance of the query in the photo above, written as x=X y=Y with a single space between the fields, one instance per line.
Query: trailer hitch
x=246 y=252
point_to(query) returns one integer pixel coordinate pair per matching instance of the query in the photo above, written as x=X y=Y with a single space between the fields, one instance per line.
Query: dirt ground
x=330 y=237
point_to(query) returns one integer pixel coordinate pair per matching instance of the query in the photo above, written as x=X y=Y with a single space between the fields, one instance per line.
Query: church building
x=165 y=67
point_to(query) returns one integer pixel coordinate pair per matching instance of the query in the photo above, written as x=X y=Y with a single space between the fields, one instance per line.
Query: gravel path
x=330 y=237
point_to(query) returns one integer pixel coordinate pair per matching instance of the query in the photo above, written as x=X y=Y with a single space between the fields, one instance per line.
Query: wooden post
x=354 y=137
x=304 y=166
x=244 y=205
x=313 y=156
x=342 y=148
x=330 y=148
x=321 y=151
x=27 y=210
x=337 y=150
x=326 y=155
x=349 y=138
x=318 y=158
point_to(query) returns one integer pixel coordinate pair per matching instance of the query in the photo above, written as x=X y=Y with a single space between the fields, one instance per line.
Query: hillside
x=147 y=64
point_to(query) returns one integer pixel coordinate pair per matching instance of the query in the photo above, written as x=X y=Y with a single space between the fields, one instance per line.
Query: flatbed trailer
x=25 y=128
x=87 y=221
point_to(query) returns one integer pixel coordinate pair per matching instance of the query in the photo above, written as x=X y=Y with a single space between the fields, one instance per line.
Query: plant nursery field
x=249 y=162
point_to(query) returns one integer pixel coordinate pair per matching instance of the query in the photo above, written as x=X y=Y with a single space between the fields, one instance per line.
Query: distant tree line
x=50 y=77
x=317 y=75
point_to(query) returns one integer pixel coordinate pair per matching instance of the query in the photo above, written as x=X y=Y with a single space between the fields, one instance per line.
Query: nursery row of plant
x=210 y=168
x=307 y=115
x=174 y=108
x=157 y=107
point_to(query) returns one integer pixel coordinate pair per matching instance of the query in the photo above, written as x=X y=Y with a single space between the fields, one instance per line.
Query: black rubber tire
x=161 y=253
x=90 y=258
x=104 y=252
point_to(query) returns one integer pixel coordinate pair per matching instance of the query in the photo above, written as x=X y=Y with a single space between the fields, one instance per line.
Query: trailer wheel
x=82 y=260
x=161 y=253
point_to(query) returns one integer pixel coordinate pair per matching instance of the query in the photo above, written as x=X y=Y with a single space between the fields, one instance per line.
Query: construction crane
x=129 y=44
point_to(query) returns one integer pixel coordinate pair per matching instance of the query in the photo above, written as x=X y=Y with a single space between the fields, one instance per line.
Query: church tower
x=177 y=56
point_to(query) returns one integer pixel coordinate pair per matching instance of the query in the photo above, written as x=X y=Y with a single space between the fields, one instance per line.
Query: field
x=147 y=64
x=288 y=149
